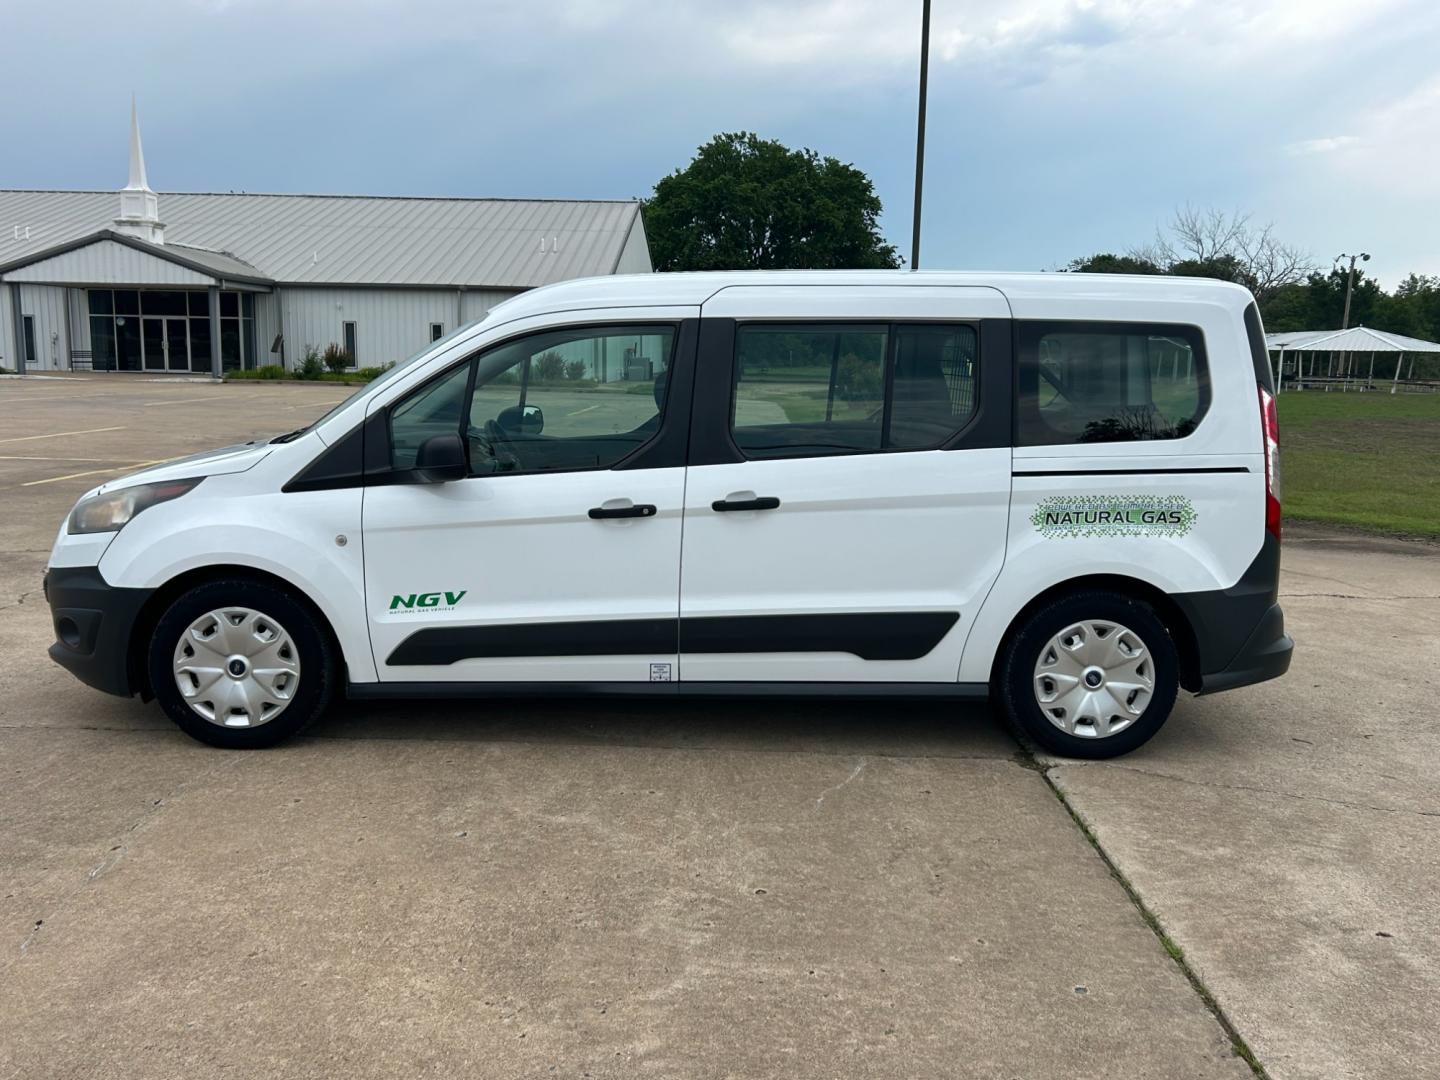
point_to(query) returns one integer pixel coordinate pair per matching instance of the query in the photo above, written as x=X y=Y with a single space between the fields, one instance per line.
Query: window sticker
x=1072 y=516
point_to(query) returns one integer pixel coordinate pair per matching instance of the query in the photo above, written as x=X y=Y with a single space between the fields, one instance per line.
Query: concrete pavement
x=1288 y=835
x=796 y=889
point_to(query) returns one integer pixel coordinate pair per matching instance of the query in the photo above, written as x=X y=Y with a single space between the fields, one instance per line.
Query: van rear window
x=1082 y=382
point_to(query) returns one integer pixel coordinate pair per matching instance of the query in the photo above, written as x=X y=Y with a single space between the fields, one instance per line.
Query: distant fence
x=1359 y=384
x=1304 y=370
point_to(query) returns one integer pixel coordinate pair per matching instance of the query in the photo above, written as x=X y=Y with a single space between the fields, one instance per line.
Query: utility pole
x=1349 y=288
x=920 y=131
x=1349 y=283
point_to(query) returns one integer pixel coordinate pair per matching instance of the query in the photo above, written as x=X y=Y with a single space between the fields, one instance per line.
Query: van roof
x=690 y=289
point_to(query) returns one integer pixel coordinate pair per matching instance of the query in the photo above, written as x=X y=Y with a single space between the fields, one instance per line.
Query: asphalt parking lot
x=696 y=890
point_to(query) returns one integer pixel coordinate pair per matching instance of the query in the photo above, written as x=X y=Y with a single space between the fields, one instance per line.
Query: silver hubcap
x=1094 y=679
x=236 y=667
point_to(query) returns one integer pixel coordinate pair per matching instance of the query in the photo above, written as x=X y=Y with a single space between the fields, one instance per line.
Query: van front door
x=847 y=501
x=557 y=558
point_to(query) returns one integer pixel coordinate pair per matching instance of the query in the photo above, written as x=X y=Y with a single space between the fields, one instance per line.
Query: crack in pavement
x=855 y=772
x=1238 y=1044
x=1253 y=789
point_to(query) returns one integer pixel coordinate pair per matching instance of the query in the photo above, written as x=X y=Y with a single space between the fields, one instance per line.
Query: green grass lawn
x=1367 y=461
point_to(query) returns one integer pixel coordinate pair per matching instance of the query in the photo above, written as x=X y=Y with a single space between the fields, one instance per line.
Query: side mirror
x=441 y=458
x=529 y=420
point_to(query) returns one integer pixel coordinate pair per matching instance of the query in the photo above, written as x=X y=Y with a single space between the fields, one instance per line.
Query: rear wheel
x=240 y=664
x=1090 y=675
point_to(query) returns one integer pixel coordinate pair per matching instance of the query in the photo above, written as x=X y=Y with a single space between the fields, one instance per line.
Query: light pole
x=1349 y=288
x=1364 y=256
x=920 y=131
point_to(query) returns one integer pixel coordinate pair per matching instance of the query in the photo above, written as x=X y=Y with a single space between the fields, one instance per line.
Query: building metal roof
x=349 y=239
x=1360 y=339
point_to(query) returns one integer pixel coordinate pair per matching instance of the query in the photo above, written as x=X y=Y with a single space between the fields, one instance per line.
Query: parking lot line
x=94 y=472
x=60 y=434
x=47 y=457
x=183 y=401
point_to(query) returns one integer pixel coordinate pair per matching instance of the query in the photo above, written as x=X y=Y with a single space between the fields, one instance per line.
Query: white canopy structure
x=1355 y=340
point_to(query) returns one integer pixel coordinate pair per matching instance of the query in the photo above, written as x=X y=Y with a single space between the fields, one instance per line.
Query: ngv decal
x=1073 y=516
x=426 y=601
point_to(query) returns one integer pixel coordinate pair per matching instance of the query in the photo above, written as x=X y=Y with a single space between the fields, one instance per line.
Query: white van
x=1055 y=490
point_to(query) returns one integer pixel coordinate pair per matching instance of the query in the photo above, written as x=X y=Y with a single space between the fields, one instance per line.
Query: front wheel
x=240 y=664
x=1090 y=675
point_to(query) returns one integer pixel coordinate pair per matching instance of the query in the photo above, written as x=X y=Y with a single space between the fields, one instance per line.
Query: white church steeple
x=139 y=206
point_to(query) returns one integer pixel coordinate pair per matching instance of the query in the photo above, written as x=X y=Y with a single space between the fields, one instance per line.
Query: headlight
x=112 y=510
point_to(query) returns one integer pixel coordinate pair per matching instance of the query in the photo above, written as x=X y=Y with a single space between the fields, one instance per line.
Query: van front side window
x=555 y=401
x=1108 y=382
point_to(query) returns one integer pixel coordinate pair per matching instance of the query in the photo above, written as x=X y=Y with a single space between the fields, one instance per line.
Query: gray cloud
x=1059 y=127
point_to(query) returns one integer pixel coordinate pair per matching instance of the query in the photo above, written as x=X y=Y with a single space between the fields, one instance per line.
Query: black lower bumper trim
x=1265 y=655
x=93 y=622
x=1239 y=632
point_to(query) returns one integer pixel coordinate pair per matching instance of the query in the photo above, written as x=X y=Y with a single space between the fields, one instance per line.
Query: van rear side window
x=806 y=390
x=1109 y=382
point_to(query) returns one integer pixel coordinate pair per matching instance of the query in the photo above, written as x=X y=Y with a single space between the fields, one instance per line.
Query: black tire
x=310 y=640
x=1017 y=673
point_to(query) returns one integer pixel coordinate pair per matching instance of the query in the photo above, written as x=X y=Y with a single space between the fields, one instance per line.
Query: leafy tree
x=747 y=203
x=1418 y=297
x=548 y=367
x=1108 y=263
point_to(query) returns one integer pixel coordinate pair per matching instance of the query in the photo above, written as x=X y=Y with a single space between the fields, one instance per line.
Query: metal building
x=213 y=282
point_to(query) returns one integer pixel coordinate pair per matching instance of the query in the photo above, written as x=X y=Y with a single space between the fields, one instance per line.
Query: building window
x=437 y=331
x=178 y=322
x=29 y=335
x=350 y=347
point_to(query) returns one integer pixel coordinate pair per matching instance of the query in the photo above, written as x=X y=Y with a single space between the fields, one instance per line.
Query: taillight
x=1270 y=424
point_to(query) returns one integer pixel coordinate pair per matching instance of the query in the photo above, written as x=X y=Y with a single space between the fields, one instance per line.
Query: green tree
x=1418 y=297
x=747 y=203
x=1108 y=263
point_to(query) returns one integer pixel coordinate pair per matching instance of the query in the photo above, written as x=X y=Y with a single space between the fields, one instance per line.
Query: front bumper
x=94 y=622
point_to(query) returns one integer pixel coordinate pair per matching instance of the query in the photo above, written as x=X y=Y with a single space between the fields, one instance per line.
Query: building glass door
x=165 y=344
x=177 y=344
x=152 y=344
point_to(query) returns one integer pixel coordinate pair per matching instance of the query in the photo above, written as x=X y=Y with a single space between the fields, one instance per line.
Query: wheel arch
x=1165 y=608
x=166 y=594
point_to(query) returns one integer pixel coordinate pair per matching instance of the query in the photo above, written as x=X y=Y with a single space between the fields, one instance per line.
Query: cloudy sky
x=1057 y=127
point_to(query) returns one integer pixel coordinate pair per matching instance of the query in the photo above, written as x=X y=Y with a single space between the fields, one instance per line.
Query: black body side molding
x=887 y=635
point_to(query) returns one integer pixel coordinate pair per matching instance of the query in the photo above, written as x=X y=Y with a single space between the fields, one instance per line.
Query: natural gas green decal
x=1113 y=515
x=427 y=601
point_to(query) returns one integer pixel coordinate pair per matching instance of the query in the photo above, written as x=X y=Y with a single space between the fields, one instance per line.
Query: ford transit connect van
x=1055 y=490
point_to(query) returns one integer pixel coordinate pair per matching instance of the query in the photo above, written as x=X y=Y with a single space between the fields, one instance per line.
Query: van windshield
x=375 y=383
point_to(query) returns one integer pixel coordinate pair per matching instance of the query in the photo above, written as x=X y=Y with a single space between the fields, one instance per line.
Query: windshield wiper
x=290 y=436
